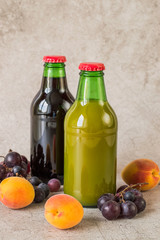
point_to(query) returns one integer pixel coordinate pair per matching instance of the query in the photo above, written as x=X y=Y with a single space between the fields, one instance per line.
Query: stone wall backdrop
x=123 y=34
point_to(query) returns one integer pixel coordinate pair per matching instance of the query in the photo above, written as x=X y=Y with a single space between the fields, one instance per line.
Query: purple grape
x=39 y=195
x=120 y=189
x=140 y=204
x=129 y=196
x=128 y=209
x=17 y=170
x=45 y=188
x=136 y=192
x=111 y=210
x=9 y=174
x=24 y=165
x=117 y=198
x=104 y=198
x=28 y=167
x=12 y=159
x=24 y=159
x=24 y=173
x=54 y=185
x=35 y=181
x=2 y=172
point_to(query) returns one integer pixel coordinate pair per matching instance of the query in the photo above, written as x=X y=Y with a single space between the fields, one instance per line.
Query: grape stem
x=120 y=194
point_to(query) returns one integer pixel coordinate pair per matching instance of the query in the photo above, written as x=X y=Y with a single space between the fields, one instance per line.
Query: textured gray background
x=124 y=35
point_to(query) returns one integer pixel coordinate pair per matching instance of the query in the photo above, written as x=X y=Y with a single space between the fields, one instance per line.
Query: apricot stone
x=142 y=171
x=63 y=211
x=16 y=192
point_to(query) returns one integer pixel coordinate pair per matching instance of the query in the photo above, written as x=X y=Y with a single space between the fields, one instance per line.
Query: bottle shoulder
x=67 y=95
x=47 y=103
x=93 y=116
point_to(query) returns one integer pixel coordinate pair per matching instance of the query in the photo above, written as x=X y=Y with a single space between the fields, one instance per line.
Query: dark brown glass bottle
x=48 y=110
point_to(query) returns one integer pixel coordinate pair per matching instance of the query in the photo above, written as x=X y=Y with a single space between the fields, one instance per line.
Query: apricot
x=16 y=192
x=142 y=171
x=63 y=211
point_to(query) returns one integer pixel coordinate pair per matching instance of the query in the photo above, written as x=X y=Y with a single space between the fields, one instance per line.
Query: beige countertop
x=29 y=223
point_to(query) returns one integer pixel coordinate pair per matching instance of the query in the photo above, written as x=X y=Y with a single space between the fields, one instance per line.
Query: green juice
x=90 y=150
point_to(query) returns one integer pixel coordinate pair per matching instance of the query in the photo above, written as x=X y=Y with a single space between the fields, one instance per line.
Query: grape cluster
x=126 y=203
x=14 y=164
x=42 y=190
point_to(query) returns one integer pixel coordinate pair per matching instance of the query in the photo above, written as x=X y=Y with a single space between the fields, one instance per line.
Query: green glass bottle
x=48 y=110
x=90 y=140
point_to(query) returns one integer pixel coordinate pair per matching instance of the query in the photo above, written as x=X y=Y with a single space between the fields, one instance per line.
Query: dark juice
x=48 y=110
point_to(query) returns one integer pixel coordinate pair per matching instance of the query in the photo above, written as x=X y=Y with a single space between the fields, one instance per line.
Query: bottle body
x=90 y=150
x=48 y=110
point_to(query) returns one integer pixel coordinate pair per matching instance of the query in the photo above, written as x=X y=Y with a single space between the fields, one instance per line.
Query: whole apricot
x=16 y=192
x=63 y=211
x=142 y=171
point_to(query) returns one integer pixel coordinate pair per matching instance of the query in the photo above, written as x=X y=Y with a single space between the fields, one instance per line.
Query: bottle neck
x=91 y=86
x=54 y=77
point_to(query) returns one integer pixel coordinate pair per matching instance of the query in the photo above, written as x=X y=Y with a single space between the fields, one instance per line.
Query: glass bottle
x=90 y=140
x=48 y=110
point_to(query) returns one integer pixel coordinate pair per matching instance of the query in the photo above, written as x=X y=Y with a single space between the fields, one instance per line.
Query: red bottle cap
x=54 y=59
x=91 y=66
